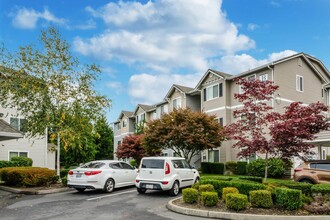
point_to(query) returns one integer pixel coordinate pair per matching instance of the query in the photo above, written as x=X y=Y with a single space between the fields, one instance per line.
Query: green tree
x=185 y=132
x=49 y=85
x=103 y=139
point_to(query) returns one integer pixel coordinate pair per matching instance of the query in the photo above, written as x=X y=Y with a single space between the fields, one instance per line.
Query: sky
x=143 y=47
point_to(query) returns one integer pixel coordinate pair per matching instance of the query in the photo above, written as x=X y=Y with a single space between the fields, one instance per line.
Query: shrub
x=133 y=163
x=289 y=199
x=241 y=168
x=306 y=199
x=28 y=176
x=231 y=166
x=212 y=168
x=246 y=187
x=252 y=178
x=206 y=188
x=321 y=188
x=196 y=186
x=23 y=161
x=261 y=198
x=227 y=190
x=5 y=163
x=217 y=184
x=64 y=173
x=210 y=198
x=276 y=168
x=236 y=201
x=305 y=188
x=64 y=181
x=190 y=195
x=222 y=178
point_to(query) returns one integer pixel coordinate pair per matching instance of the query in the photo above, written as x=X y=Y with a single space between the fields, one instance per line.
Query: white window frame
x=19 y=122
x=178 y=103
x=18 y=153
x=124 y=123
x=323 y=154
x=263 y=75
x=252 y=75
x=213 y=97
x=299 y=84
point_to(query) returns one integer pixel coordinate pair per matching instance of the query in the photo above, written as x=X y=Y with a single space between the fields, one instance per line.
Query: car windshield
x=93 y=165
x=153 y=163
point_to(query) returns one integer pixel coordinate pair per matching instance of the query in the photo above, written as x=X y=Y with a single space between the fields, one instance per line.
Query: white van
x=165 y=173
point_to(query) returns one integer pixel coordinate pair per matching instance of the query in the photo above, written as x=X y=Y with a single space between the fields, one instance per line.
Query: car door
x=117 y=173
x=129 y=174
x=181 y=172
x=189 y=173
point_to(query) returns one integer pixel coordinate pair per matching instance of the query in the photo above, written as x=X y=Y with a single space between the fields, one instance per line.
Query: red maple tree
x=261 y=130
x=131 y=148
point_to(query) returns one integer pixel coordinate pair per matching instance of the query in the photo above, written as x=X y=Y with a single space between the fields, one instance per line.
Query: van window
x=177 y=164
x=153 y=164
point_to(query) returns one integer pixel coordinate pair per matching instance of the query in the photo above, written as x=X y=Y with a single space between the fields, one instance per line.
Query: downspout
x=273 y=79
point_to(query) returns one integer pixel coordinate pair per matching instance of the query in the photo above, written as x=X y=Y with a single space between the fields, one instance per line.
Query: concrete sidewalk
x=32 y=191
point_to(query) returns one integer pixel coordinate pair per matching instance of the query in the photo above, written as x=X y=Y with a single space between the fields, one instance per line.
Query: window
x=18 y=123
x=164 y=154
x=177 y=164
x=240 y=89
x=299 y=83
x=140 y=118
x=93 y=165
x=118 y=143
x=214 y=156
x=251 y=119
x=177 y=103
x=213 y=92
x=220 y=121
x=263 y=77
x=251 y=78
x=126 y=166
x=17 y=154
x=115 y=165
x=124 y=123
x=322 y=93
x=324 y=154
x=323 y=166
x=118 y=126
x=153 y=163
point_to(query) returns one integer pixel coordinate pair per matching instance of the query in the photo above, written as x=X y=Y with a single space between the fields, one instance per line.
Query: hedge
x=290 y=199
x=228 y=190
x=217 y=184
x=5 y=163
x=277 y=168
x=252 y=178
x=206 y=188
x=261 y=198
x=305 y=188
x=210 y=198
x=212 y=168
x=28 y=176
x=190 y=195
x=241 y=168
x=23 y=161
x=321 y=188
x=231 y=166
x=236 y=201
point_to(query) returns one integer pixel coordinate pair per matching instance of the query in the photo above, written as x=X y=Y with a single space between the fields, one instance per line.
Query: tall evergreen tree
x=103 y=139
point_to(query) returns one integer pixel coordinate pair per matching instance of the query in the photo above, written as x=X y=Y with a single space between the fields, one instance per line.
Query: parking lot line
x=101 y=197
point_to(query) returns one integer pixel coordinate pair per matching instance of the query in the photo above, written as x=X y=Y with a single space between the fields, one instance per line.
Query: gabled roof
x=7 y=132
x=127 y=114
x=182 y=89
x=215 y=72
x=146 y=108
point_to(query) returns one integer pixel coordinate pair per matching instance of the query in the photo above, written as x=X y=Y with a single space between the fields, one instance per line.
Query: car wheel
x=141 y=191
x=196 y=180
x=109 y=186
x=306 y=181
x=80 y=189
x=175 y=189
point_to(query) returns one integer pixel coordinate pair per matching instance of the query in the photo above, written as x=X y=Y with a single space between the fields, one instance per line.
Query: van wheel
x=141 y=191
x=306 y=181
x=109 y=186
x=175 y=189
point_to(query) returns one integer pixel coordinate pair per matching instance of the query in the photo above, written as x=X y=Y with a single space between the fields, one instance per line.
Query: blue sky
x=146 y=46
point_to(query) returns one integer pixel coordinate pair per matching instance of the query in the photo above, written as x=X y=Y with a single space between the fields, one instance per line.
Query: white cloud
x=252 y=27
x=90 y=24
x=116 y=86
x=151 y=88
x=235 y=64
x=164 y=35
x=27 y=18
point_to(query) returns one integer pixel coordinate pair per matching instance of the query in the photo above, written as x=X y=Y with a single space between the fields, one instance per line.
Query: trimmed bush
x=306 y=199
x=305 y=188
x=321 y=188
x=64 y=173
x=217 y=184
x=227 y=190
x=5 y=163
x=206 y=188
x=246 y=187
x=290 y=199
x=261 y=198
x=236 y=201
x=23 y=161
x=222 y=178
x=210 y=198
x=276 y=168
x=212 y=168
x=231 y=166
x=28 y=176
x=196 y=186
x=252 y=178
x=64 y=181
x=190 y=195
x=241 y=168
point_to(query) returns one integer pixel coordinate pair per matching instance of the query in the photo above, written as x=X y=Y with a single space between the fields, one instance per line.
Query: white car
x=165 y=173
x=102 y=174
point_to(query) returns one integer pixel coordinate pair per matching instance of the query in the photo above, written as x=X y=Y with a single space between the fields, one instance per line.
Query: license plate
x=148 y=186
x=78 y=175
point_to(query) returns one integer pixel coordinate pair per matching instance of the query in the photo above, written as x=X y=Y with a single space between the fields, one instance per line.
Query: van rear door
x=152 y=169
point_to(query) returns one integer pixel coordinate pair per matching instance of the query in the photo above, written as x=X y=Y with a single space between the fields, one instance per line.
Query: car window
x=312 y=165
x=93 y=165
x=323 y=166
x=177 y=164
x=152 y=163
x=115 y=165
x=126 y=166
x=186 y=164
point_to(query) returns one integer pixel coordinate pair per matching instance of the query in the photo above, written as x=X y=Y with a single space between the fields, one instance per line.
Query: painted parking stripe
x=101 y=197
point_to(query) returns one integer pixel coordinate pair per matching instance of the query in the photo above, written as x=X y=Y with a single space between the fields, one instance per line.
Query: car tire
x=109 y=186
x=174 y=191
x=306 y=181
x=196 y=180
x=141 y=191
x=80 y=189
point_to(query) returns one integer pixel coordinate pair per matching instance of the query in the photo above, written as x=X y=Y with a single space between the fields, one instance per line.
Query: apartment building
x=300 y=77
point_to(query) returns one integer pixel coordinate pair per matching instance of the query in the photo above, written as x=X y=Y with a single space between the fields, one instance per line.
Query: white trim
x=180 y=101
x=298 y=83
x=123 y=134
x=255 y=76
x=215 y=84
x=265 y=74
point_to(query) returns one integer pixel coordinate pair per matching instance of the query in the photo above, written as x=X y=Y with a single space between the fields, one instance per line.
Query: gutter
x=272 y=69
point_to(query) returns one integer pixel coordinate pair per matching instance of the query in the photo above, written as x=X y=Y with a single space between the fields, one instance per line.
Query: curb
x=33 y=192
x=236 y=216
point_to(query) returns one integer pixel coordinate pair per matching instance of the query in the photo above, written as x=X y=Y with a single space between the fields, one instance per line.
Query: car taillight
x=137 y=181
x=298 y=169
x=90 y=173
x=167 y=169
x=165 y=183
x=70 y=172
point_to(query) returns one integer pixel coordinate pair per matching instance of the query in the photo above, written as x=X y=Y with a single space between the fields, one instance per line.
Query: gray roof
x=7 y=132
x=184 y=89
x=146 y=107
